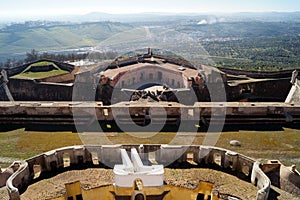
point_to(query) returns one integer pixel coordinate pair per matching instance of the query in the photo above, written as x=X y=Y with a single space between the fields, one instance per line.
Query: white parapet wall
x=18 y=180
x=261 y=180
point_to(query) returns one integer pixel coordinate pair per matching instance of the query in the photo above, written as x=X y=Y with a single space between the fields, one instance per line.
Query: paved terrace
x=64 y=113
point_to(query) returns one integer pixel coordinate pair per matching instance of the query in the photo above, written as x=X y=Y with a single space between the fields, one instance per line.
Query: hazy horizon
x=31 y=9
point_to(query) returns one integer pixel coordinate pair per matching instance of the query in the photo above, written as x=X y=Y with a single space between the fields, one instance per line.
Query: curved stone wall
x=19 y=180
x=83 y=156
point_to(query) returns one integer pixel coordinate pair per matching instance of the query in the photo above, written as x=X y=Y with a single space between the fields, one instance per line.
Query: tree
x=31 y=56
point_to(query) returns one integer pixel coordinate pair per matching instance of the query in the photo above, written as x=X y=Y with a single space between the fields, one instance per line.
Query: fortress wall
x=149 y=73
x=44 y=68
x=19 y=180
x=169 y=154
x=4 y=175
x=163 y=154
x=29 y=90
x=65 y=113
x=290 y=180
x=175 y=61
x=148 y=152
x=36 y=161
x=62 y=78
x=257 y=74
x=110 y=155
x=19 y=69
x=64 y=66
x=259 y=179
x=244 y=165
x=277 y=89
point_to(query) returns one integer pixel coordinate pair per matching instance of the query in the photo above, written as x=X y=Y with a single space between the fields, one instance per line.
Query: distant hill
x=93 y=28
x=250 y=41
x=19 y=38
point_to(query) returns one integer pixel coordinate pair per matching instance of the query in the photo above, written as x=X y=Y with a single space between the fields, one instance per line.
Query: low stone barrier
x=110 y=155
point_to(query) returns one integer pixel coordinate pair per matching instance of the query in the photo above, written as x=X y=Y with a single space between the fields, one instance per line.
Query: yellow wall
x=104 y=192
x=73 y=189
x=59 y=198
x=188 y=194
x=100 y=193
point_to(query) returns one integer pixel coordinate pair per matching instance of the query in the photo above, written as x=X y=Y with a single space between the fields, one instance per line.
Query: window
x=79 y=197
x=53 y=165
x=70 y=198
x=66 y=159
x=190 y=157
x=200 y=196
x=152 y=158
x=95 y=158
x=246 y=169
x=80 y=159
x=217 y=158
x=37 y=169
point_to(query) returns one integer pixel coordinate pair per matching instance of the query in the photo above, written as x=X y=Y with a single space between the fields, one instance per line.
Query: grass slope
x=27 y=74
x=58 y=37
x=40 y=75
x=283 y=145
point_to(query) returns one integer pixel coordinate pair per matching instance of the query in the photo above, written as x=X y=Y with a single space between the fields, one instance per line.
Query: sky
x=25 y=8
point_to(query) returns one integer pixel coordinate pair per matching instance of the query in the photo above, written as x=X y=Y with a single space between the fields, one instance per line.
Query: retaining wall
x=82 y=156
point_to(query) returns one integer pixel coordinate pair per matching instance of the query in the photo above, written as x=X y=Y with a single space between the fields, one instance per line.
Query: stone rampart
x=82 y=156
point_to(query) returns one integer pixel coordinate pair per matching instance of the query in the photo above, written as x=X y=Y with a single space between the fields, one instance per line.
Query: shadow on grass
x=113 y=127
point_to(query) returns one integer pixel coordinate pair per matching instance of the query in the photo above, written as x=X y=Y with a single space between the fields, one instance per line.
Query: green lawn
x=282 y=145
x=42 y=63
x=40 y=75
x=28 y=74
x=71 y=36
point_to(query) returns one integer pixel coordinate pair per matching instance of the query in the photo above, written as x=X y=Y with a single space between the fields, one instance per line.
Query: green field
x=260 y=54
x=27 y=74
x=283 y=145
x=246 y=45
x=39 y=75
x=20 y=38
x=42 y=63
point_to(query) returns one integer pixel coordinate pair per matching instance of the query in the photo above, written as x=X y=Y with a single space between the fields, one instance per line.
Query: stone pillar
x=204 y=154
x=51 y=160
x=78 y=151
x=231 y=160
